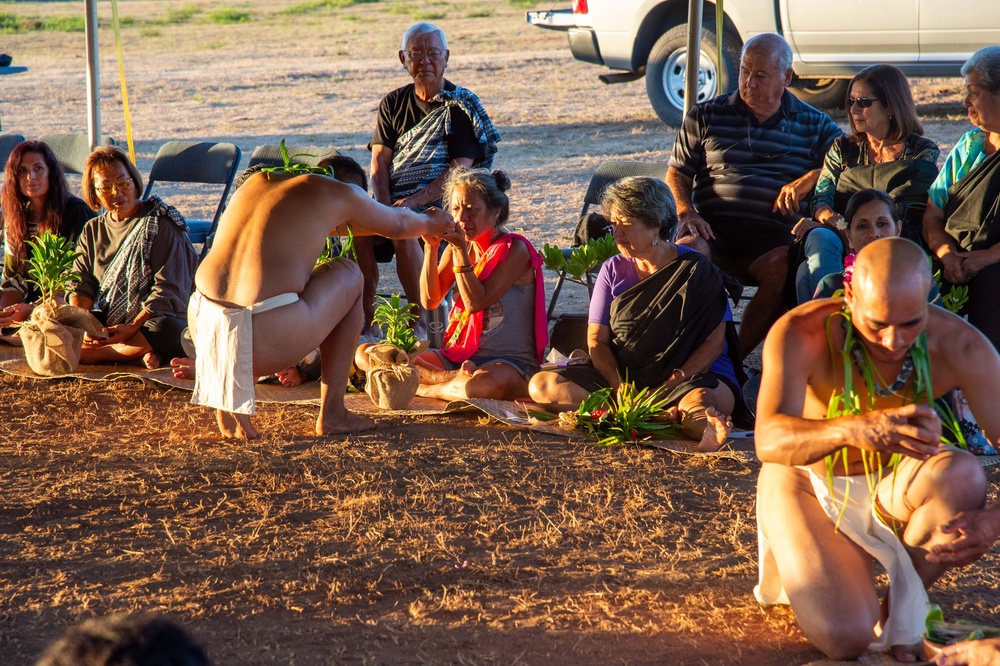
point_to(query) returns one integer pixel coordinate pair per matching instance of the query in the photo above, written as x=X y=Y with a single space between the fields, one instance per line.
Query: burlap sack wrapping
x=392 y=381
x=53 y=337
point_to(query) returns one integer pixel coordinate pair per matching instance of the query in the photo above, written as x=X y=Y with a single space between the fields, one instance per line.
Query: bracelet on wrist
x=678 y=370
x=462 y=269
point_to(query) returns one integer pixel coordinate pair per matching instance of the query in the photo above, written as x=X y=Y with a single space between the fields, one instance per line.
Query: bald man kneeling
x=262 y=304
x=821 y=520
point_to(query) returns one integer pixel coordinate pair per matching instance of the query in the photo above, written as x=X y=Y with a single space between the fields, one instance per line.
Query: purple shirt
x=619 y=274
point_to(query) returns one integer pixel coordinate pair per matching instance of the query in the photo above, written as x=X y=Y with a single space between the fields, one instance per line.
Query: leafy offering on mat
x=396 y=319
x=623 y=415
x=50 y=266
x=947 y=633
x=582 y=259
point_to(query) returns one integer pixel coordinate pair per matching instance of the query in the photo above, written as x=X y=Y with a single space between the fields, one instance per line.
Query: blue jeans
x=824 y=255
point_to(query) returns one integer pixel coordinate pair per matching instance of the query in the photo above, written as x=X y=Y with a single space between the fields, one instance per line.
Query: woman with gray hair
x=962 y=221
x=497 y=329
x=658 y=318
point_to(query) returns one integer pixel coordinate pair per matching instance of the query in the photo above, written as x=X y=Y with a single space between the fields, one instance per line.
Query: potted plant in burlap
x=53 y=335
x=392 y=380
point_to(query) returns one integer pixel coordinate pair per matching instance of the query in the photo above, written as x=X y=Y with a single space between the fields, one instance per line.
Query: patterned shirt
x=739 y=165
x=963 y=158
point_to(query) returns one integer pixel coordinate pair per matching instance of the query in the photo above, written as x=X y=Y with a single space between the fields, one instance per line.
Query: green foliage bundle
x=582 y=259
x=625 y=414
x=50 y=264
x=396 y=319
x=292 y=167
x=956 y=297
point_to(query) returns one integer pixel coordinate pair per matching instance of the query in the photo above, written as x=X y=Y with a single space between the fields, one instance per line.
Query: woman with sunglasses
x=886 y=150
x=136 y=266
x=35 y=199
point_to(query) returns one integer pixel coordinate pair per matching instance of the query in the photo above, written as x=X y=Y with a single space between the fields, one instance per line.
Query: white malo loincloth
x=908 y=598
x=223 y=342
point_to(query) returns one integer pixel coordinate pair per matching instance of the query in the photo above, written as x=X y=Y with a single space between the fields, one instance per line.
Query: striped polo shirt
x=740 y=165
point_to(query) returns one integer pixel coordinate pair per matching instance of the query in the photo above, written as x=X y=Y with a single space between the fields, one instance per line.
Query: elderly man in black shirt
x=742 y=163
x=423 y=130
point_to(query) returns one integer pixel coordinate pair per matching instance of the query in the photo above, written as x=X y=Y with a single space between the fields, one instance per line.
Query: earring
x=656 y=241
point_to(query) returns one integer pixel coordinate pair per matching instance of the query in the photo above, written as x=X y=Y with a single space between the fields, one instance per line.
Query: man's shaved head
x=887 y=296
x=890 y=263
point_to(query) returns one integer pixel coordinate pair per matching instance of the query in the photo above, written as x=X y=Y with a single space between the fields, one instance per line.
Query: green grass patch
x=310 y=6
x=178 y=15
x=428 y=15
x=226 y=15
x=481 y=12
x=522 y=4
x=9 y=23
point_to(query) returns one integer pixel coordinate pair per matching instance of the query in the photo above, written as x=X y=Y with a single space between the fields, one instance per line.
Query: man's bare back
x=266 y=246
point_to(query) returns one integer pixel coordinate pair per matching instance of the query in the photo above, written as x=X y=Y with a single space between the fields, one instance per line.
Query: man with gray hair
x=742 y=167
x=423 y=130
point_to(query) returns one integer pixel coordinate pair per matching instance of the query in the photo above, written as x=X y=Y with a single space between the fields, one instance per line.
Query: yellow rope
x=121 y=76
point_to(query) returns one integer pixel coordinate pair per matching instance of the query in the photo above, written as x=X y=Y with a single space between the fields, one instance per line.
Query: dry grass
x=482 y=546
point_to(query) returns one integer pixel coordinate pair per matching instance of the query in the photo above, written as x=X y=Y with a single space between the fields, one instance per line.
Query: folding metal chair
x=197 y=162
x=8 y=142
x=72 y=150
x=606 y=174
x=270 y=154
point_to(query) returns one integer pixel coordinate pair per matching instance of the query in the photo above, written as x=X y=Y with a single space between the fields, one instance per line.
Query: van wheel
x=668 y=61
x=821 y=93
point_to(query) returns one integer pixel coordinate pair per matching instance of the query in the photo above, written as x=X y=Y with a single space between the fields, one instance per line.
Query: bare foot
x=908 y=654
x=235 y=426
x=289 y=376
x=716 y=432
x=342 y=423
x=183 y=367
x=151 y=360
x=434 y=376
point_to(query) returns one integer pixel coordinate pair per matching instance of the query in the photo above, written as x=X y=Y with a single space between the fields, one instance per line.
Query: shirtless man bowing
x=261 y=306
x=934 y=500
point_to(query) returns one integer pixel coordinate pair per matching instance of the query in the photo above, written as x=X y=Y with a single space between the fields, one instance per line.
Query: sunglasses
x=863 y=102
x=123 y=185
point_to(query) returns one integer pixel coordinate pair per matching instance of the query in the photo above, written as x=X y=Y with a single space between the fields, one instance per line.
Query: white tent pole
x=93 y=76
x=695 y=11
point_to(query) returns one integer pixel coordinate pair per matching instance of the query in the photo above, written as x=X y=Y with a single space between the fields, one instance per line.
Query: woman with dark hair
x=34 y=199
x=962 y=222
x=658 y=318
x=136 y=266
x=497 y=330
x=886 y=149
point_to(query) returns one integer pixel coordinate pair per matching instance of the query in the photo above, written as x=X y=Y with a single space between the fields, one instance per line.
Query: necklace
x=901 y=378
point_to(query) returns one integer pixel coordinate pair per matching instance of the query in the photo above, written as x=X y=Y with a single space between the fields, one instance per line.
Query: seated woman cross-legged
x=136 y=266
x=497 y=330
x=658 y=317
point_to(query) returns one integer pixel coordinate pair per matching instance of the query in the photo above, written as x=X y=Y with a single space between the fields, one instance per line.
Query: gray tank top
x=509 y=327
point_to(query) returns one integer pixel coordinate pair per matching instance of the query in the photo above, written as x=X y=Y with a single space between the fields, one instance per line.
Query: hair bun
x=503 y=182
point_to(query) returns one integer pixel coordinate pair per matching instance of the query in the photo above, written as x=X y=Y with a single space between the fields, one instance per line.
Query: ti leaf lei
x=850 y=403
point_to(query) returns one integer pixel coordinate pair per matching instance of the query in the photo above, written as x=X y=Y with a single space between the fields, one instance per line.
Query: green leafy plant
x=582 y=259
x=396 y=319
x=625 y=414
x=50 y=264
x=956 y=297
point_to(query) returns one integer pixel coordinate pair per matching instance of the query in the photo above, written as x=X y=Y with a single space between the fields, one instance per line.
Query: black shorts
x=738 y=244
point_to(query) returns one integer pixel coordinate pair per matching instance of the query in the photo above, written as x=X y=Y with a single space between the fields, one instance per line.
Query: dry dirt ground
x=469 y=543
